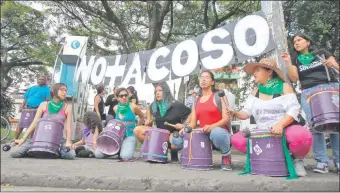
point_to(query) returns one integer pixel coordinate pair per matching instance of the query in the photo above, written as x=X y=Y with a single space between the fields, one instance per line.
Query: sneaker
x=226 y=163
x=321 y=168
x=300 y=168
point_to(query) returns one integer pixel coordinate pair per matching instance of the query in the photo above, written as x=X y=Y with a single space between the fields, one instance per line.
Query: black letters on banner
x=251 y=36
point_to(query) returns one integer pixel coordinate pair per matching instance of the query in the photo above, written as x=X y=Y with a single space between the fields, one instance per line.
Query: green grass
x=9 y=137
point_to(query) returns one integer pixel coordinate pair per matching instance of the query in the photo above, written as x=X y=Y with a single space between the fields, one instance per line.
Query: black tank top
x=100 y=105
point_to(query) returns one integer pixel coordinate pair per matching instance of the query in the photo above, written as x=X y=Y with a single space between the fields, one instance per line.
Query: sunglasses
x=122 y=95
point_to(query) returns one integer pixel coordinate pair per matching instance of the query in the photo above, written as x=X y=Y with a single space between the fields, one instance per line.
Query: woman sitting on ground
x=126 y=112
x=57 y=109
x=88 y=144
x=164 y=108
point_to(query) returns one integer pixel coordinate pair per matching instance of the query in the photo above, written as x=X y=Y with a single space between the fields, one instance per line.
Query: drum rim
x=158 y=129
x=29 y=152
x=105 y=152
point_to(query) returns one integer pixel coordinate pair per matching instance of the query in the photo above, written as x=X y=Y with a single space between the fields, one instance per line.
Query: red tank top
x=207 y=113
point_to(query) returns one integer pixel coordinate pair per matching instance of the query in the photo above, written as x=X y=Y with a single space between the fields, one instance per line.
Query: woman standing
x=311 y=73
x=133 y=98
x=99 y=103
x=111 y=101
x=126 y=112
x=56 y=108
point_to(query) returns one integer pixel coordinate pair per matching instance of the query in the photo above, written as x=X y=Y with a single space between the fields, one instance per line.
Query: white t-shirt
x=268 y=113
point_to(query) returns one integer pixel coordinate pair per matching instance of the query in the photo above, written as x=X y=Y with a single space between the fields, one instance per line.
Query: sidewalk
x=141 y=176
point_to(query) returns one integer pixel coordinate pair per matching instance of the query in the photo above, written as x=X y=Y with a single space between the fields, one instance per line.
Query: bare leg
x=18 y=131
x=140 y=132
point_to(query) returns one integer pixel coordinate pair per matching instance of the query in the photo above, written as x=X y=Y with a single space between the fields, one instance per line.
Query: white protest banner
x=243 y=39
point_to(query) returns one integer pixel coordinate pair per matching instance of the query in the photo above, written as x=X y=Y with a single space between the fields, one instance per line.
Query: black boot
x=79 y=149
x=85 y=153
x=174 y=155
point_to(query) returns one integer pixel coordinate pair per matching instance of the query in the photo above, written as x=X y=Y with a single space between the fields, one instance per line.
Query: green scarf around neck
x=163 y=108
x=273 y=86
x=305 y=59
x=289 y=161
x=123 y=109
x=54 y=107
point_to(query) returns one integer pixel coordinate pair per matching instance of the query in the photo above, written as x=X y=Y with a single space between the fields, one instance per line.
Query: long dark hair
x=91 y=120
x=55 y=88
x=310 y=47
x=168 y=99
x=213 y=88
x=114 y=94
x=134 y=93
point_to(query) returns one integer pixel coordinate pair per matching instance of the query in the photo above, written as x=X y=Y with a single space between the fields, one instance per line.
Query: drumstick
x=326 y=68
x=169 y=124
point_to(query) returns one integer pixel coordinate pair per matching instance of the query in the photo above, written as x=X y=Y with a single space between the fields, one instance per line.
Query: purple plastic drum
x=110 y=140
x=27 y=117
x=266 y=155
x=155 y=145
x=325 y=111
x=197 y=151
x=47 y=137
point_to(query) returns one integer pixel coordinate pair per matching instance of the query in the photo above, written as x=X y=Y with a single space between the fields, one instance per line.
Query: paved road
x=142 y=176
x=10 y=188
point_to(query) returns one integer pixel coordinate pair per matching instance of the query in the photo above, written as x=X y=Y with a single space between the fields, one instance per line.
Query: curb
x=243 y=183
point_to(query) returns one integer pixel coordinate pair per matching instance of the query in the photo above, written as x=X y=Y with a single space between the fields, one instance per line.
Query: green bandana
x=123 y=108
x=163 y=108
x=289 y=162
x=273 y=86
x=54 y=107
x=305 y=59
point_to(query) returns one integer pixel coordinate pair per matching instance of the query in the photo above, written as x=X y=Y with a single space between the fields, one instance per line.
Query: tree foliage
x=318 y=19
x=26 y=48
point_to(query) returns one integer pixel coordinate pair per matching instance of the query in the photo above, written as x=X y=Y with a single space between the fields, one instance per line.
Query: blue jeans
x=21 y=151
x=320 y=149
x=319 y=141
x=126 y=151
x=219 y=137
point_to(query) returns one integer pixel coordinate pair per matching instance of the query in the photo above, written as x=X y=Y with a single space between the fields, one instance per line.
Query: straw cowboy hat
x=266 y=63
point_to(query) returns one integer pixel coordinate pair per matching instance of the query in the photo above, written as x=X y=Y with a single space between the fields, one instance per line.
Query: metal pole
x=186 y=91
x=277 y=25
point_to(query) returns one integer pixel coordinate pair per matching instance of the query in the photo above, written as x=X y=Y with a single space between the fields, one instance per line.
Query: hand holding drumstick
x=178 y=126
